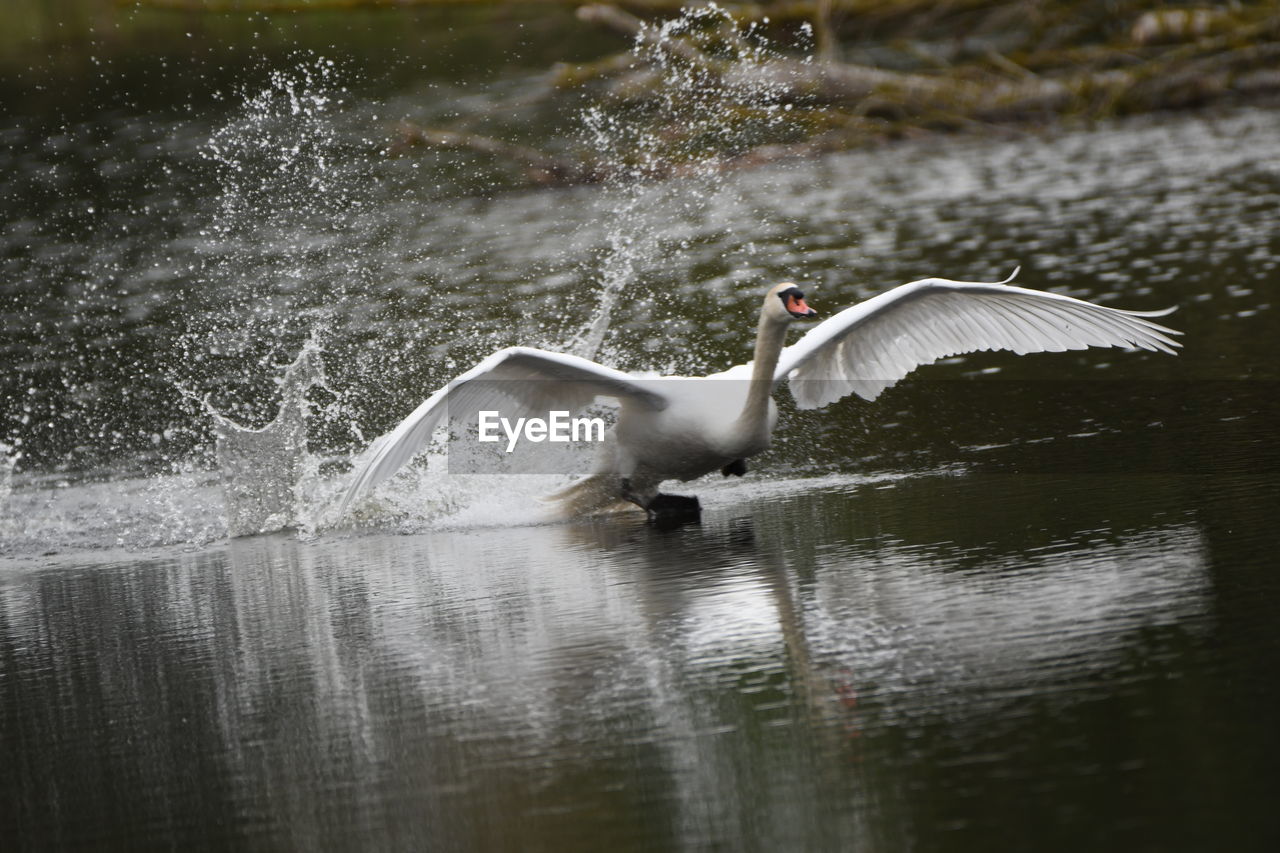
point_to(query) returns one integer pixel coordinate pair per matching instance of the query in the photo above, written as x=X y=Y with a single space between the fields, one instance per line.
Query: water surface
x=1015 y=603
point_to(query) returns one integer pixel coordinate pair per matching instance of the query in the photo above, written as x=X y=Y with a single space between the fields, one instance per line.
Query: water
x=1015 y=603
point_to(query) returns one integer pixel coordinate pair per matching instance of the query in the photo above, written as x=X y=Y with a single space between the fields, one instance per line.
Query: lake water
x=1015 y=603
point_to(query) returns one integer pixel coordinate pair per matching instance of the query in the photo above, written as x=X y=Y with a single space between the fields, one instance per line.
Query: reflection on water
x=813 y=671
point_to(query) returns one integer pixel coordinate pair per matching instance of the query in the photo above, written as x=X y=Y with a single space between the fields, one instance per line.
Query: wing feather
x=869 y=347
x=519 y=381
x=1042 y=328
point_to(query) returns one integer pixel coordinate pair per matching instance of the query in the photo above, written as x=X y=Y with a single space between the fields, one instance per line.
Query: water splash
x=287 y=246
x=9 y=458
x=280 y=148
x=663 y=156
x=284 y=249
x=277 y=256
x=262 y=469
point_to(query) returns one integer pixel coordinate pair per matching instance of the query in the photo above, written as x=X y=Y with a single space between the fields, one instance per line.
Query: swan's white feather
x=522 y=382
x=869 y=347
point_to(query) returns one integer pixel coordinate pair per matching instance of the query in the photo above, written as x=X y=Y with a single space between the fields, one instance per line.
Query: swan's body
x=680 y=428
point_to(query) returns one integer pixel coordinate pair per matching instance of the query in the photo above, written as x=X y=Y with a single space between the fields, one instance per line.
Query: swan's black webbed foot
x=673 y=510
x=736 y=468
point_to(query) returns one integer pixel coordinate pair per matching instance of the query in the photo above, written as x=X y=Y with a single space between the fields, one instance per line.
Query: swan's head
x=785 y=303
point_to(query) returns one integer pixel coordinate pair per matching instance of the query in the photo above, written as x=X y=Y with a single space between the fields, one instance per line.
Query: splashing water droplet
x=262 y=469
x=661 y=154
x=9 y=457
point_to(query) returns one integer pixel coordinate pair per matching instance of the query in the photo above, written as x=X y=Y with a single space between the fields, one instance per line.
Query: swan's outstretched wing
x=518 y=381
x=867 y=348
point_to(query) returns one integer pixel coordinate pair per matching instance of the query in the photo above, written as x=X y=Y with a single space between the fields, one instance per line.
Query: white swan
x=679 y=428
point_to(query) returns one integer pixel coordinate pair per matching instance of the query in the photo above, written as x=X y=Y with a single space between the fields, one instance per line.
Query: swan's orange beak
x=796 y=305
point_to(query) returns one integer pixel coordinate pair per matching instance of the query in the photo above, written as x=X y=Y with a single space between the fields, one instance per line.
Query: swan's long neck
x=770 y=337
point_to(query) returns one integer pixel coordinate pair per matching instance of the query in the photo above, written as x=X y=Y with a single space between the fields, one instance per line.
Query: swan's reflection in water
x=806 y=670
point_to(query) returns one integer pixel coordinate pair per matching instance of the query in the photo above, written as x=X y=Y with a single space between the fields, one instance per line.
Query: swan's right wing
x=520 y=382
x=869 y=347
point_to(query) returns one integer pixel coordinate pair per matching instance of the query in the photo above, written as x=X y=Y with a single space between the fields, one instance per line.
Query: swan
x=680 y=428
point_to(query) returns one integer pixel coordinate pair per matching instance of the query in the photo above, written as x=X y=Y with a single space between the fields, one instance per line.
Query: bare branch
x=540 y=167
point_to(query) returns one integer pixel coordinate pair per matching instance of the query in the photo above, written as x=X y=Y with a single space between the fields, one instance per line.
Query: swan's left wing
x=518 y=381
x=869 y=347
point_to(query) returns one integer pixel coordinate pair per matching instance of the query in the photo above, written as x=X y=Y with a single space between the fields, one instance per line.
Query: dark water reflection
x=1032 y=662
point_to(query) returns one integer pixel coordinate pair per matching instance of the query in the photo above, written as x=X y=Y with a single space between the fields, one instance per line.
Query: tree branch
x=540 y=167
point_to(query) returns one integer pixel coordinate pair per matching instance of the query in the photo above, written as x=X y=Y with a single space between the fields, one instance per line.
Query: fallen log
x=1179 y=78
